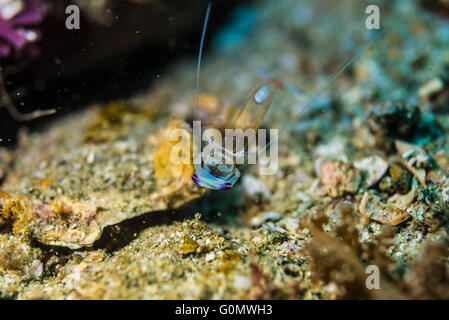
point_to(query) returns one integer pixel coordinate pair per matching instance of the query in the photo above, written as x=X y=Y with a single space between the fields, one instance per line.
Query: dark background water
x=100 y=63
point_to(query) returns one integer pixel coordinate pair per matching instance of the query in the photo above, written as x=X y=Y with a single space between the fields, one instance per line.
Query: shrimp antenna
x=206 y=19
x=329 y=83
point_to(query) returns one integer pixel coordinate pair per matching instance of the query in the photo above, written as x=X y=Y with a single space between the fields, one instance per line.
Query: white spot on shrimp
x=262 y=94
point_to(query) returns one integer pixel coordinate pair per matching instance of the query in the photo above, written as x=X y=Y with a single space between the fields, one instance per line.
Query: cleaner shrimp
x=216 y=168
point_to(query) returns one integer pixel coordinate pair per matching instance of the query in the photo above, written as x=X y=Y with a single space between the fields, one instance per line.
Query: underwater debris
x=386 y=185
x=334 y=149
x=35 y=269
x=375 y=168
x=403 y=201
x=414 y=158
x=372 y=208
x=188 y=245
x=400 y=178
x=414 y=155
x=435 y=93
x=339 y=177
x=437 y=174
x=60 y=223
x=228 y=260
x=336 y=257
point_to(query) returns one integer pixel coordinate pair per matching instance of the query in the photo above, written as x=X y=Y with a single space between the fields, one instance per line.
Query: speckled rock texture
x=90 y=208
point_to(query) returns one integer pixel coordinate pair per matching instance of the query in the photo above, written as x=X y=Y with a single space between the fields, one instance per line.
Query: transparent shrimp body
x=217 y=169
x=213 y=173
x=216 y=174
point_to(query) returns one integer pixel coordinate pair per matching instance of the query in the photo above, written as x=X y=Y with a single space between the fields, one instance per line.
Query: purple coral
x=17 y=18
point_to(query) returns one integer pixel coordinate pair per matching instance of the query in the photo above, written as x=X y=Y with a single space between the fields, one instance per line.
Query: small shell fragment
x=375 y=168
x=188 y=246
x=373 y=208
x=403 y=201
x=414 y=158
x=414 y=155
x=338 y=177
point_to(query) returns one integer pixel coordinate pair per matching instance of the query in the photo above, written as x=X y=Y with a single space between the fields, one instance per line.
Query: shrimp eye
x=262 y=94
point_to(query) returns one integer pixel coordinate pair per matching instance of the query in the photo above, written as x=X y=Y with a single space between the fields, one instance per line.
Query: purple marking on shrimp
x=196 y=181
